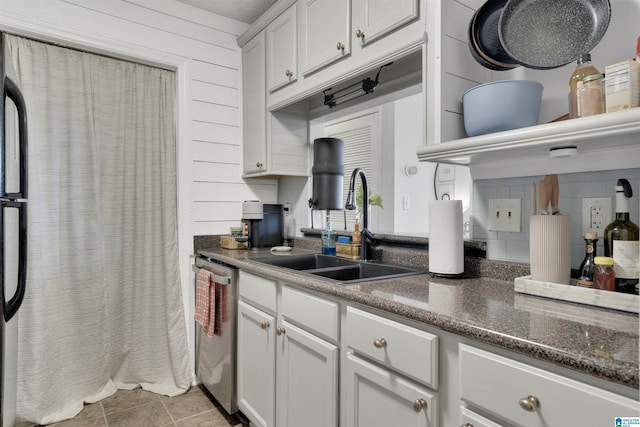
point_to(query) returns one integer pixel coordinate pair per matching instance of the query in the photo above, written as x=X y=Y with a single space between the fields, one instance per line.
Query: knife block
x=550 y=248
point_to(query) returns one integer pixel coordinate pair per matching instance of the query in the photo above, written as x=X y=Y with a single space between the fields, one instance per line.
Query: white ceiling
x=240 y=10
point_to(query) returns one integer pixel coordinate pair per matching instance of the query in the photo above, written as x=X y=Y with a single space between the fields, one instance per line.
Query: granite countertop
x=600 y=342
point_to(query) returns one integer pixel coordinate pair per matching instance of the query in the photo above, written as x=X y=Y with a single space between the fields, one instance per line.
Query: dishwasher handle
x=216 y=278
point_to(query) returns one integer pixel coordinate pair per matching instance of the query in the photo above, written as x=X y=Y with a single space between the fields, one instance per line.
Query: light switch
x=504 y=215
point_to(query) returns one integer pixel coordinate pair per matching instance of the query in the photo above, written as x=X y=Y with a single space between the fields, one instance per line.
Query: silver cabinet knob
x=530 y=403
x=359 y=34
x=264 y=325
x=419 y=405
x=281 y=331
x=467 y=425
x=288 y=73
x=259 y=165
x=380 y=343
x=340 y=46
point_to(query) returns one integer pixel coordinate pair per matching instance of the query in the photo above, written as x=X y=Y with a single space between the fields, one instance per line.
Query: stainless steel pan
x=544 y=34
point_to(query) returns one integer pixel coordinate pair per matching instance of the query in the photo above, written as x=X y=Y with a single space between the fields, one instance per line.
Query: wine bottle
x=621 y=242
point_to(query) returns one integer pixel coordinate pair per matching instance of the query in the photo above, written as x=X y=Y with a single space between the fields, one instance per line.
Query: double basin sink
x=338 y=270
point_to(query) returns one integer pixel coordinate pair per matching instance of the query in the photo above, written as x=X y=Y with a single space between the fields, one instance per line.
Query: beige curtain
x=103 y=308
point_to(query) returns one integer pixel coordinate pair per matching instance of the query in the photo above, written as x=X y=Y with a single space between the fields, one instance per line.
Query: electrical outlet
x=504 y=215
x=446 y=192
x=596 y=215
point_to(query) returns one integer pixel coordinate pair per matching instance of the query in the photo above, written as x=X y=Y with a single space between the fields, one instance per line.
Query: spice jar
x=603 y=275
x=590 y=96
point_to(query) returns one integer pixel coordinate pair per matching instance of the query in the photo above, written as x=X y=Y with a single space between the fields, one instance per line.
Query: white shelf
x=606 y=141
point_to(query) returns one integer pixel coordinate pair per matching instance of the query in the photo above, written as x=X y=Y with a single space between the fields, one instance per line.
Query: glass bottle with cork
x=585 y=68
x=621 y=242
x=585 y=271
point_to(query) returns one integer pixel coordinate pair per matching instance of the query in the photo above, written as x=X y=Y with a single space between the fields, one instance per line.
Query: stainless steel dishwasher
x=215 y=356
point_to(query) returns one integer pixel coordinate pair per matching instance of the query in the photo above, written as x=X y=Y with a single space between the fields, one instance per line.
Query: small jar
x=590 y=95
x=604 y=277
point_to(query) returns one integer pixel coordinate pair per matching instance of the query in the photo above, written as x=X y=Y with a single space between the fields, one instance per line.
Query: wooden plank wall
x=203 y=48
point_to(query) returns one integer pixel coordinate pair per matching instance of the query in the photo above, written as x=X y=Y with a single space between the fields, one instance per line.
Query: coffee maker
x=262 y=224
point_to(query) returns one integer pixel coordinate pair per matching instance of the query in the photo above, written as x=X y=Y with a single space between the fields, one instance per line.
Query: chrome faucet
x=367 y=236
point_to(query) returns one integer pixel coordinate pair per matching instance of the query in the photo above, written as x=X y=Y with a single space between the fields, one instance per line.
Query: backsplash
x=511 y=246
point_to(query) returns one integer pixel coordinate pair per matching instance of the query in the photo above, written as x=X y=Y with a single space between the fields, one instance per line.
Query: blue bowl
x=501 y=105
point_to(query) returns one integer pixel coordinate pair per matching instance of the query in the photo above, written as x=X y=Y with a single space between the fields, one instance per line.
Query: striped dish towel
x=205 y=302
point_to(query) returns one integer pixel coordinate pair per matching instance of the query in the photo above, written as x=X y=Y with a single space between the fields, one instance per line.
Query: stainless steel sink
x=305 y=261
x=339 y=270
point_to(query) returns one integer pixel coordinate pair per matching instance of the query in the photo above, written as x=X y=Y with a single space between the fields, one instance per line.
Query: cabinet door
x=377 y=397
x=324 y=33
x=256 y=365
x=282 y=46
x=307 y=379
x=254 y=125
x=373 y=19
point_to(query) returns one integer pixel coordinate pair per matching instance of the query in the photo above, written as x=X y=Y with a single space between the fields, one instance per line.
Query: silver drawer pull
x=530 y=403
x=380 y=343
x=419 y=405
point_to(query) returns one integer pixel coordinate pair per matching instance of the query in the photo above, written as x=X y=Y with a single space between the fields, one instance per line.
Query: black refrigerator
x=13 y=228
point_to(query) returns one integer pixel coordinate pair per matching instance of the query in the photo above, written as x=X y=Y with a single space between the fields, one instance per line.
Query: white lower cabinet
x=378 y=397
x=518 y=394
x=287 y=366
x=307 y=379
x=256 y=364
x=390 y=368
x=295 y=369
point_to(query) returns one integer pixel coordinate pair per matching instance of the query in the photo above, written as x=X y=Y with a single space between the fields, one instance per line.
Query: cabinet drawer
x=316 y=314
x=405 y=349
x=260 y=292
x=471 y=419
x=496 y=385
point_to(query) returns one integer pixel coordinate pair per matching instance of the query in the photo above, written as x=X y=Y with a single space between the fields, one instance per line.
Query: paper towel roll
x=446 y=244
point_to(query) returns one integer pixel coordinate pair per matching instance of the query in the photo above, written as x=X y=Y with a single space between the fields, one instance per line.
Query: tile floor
x=141 y=408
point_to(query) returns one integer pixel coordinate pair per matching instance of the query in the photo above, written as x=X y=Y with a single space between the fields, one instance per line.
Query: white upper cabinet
x=254 y=122
x=330 y=53
x=324 y=33
x=282 y=46
x=373 y=19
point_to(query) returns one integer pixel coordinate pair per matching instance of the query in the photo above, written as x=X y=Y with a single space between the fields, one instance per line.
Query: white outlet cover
x=602 y=202
x=504 y=215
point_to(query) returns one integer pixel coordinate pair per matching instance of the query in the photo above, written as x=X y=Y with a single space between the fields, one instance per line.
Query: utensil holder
x=550 y=248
